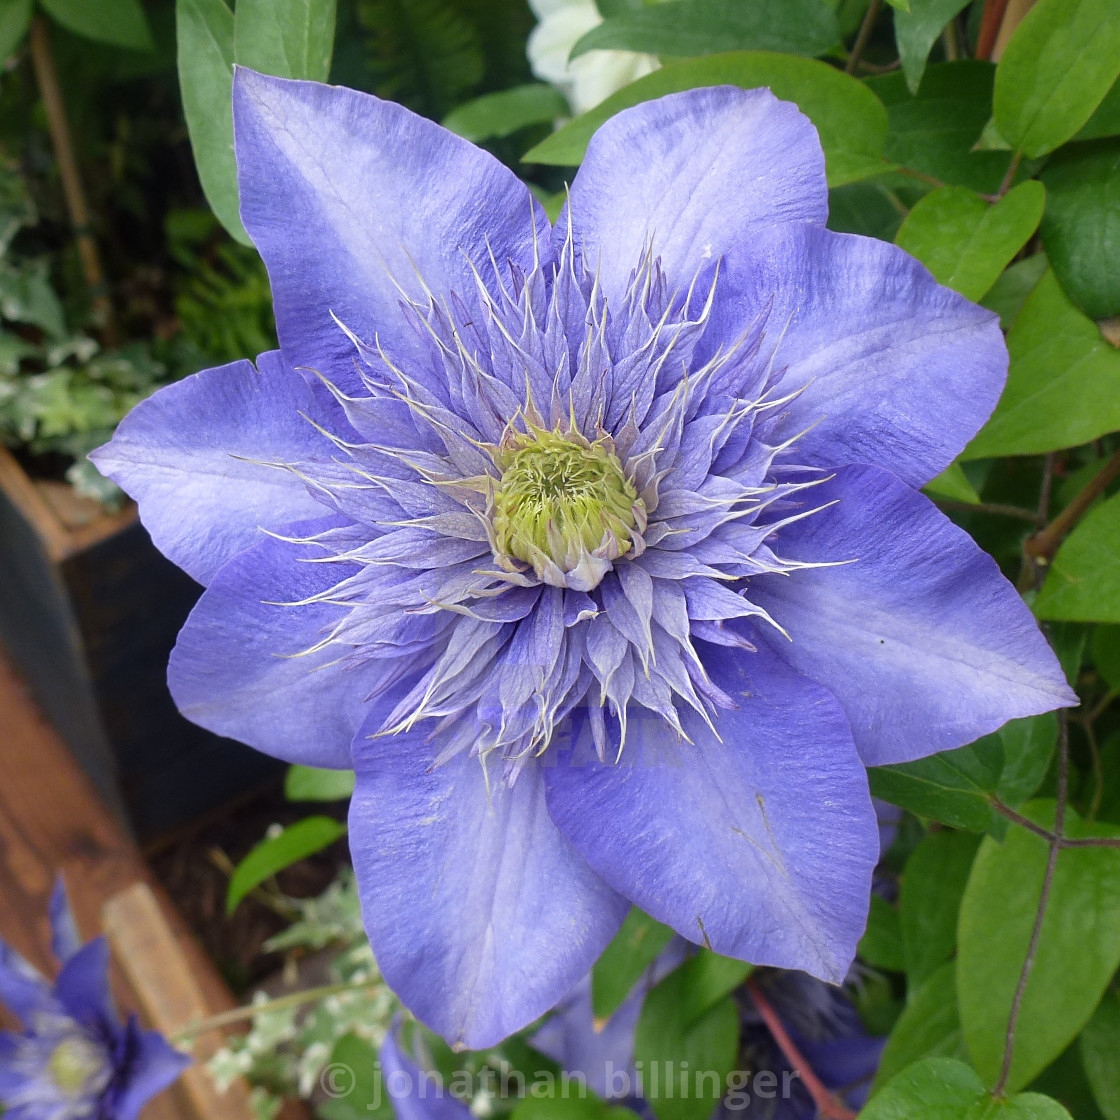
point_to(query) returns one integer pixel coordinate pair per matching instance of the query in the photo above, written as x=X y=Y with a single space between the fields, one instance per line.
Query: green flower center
x=561 y=498
x=73 y=1064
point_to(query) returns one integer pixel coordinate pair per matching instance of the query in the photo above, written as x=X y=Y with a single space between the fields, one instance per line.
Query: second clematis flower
x=596 y=550
x=74 y=1059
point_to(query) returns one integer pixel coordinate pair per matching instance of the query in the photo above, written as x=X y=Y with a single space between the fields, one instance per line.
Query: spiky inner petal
x=554 y=510
x=561 y=497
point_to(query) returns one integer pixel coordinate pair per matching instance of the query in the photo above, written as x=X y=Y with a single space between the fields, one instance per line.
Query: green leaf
x=1056 y=70
x=634 y=948
x=917 y=30
x=298 y=841
x=286 y=38
x=496 y=115
x=1028 y=747
x=1069 y=640
x=936 y=129
x=309 y=783
x=966 y=243
x=1064 y=1080
x=1083 y=583
x=866 y=208
x=1110 y=763
x=426 y=54
x=353 y=1078
x=953 y=483
x=566 y=1107
x=686 y=28
x=944 y=1089
x=121 y=23
x=1105 y=120
x=1100 y=1055
x=666 y=1037
x=26 y=296
x=1008 y=294
x=553 y=204
x=881 y=944
x=1081 y=229
x=15 y=19
x=850 y=119
x=608 y=9
x=1106 y=654
x=929 y=1026
x=1077 y=952
x=1063 y=387
x=932 y=887
x=702 y=981
x=953 y=787
x=205 y=33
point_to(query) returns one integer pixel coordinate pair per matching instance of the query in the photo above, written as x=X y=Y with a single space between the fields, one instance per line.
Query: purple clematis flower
x=74 y=1059
x=826 y=1028
x=596 y=550
x=602 y=1053
x=410 y=1089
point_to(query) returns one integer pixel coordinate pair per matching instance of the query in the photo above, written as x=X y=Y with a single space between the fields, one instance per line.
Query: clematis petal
x=407 y=1086
x=847 y=1063
x=892 y=368
x=924 y=643
x=12 y=1078
x=240 y=667
x=759 y=844
x=193 y=455
x=65 y=938
x=697 y=173
x=481 y=915
x=153 y=1064
x=587 y=1047
x=82 y=986
x=347 y=196
x=22 y=989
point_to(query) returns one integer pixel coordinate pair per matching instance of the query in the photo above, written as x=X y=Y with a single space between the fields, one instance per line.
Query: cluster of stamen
x=565 y=506
x=76 y=1066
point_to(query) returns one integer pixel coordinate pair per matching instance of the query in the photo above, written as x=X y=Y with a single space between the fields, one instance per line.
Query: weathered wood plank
x=51 y=823
x=89 y=611
x=152 y=959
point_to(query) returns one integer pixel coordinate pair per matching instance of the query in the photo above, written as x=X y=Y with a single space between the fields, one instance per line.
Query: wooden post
x=52 y=823
x=169 y=996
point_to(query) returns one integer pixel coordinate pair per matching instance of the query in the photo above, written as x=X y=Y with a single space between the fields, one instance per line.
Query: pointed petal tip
x=65 y=938
x=712 y=829
x=924 y=642
x=477 y=945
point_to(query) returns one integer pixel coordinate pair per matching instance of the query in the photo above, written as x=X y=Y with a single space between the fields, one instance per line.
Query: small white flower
x=592 y=77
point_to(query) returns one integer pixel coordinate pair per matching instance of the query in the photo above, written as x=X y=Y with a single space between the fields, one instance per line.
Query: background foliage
x=983 y=141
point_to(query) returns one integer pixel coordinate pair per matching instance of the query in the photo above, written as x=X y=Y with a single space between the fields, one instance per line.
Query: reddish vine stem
x=1105 y=701
x=1047 y=490
x=1021 y=821
x=1009 y=178
x=1051 y=837
x=1043 y=545
x=863 y=35
x=1056 y=845
x=989 y=27
x=1056 y=839
x=996 y=509
x=827 y=1104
